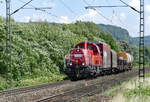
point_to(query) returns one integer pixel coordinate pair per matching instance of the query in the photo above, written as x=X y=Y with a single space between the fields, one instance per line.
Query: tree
x=125 y=46
x=108 y=38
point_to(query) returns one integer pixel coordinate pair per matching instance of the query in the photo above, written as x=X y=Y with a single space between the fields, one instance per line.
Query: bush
x=38 y=48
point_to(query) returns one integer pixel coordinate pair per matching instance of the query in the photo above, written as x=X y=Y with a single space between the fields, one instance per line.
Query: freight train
x=93 y=58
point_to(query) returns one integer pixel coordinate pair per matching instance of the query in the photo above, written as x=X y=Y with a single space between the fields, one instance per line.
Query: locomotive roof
x=96 y=42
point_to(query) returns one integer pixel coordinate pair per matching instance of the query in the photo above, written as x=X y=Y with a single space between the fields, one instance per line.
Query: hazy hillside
x=147 y=40
x=122 y=34
x=117 y=32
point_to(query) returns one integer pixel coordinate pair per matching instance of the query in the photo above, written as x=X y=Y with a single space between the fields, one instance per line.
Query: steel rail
x=82 y=89
x=32 y=88
x=63 y=93
x=115 y=82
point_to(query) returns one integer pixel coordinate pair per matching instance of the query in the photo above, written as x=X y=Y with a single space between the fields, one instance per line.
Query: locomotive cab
x=82 y=59
x=87 y=53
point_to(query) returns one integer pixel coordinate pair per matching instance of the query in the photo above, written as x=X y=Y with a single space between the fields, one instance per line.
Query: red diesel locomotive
x=91 y=58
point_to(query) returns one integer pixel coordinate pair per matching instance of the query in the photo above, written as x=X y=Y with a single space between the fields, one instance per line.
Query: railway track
x=11 y=92
x=99 y=87
x=71 y=93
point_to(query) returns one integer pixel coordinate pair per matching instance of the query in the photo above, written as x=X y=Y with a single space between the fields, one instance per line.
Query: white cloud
x=41 y=17
x=49 y=4
x=91 y=14
x=148 y=8
x=24 y=19
x=27 y=18
x=38 y=17
x=122 y=16
x=135 y=3
x=64 y=19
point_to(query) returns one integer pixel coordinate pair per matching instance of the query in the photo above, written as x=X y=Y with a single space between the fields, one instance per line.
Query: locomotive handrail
x=72 y=60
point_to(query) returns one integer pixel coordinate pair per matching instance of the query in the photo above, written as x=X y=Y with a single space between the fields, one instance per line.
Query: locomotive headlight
x=83 y=64
x=70 y=64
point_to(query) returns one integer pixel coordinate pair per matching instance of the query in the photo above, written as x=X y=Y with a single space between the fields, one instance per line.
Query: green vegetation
x=130 y=91
x=144 y=91
x=140 y=91
x=147 y=41
x=117 y=32
x=125 y=46
x=38 y=49
x=147 y=56
x=136 y=55
x=108 y=38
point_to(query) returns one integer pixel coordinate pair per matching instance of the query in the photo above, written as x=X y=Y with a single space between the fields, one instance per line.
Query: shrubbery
x=38 y=48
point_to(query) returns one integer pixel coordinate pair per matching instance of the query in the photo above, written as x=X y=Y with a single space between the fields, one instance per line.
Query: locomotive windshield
x=89 y=47
x=80 y=46
x=95 y=49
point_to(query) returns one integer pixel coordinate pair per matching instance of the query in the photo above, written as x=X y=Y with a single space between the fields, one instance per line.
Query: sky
x=69 y=11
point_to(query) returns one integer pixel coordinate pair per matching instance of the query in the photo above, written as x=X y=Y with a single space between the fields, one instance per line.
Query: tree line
x=38 y=48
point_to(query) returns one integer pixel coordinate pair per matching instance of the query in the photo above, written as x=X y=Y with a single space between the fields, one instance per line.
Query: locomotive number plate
x=78 y=55
x=76 y=61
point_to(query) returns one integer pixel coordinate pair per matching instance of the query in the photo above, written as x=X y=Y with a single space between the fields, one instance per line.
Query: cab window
x=89 y=47
x=95 y=49
x=80 y=46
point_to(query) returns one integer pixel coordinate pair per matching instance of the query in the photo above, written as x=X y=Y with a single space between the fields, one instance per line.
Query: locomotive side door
x=97 y=56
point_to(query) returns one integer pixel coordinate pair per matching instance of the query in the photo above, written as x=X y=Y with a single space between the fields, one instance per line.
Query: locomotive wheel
x=117 y=71
x=74 y=78
x=113 y=71
x=110 y=72
x=102 y=73
x=91 y=75
x=95 y=75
